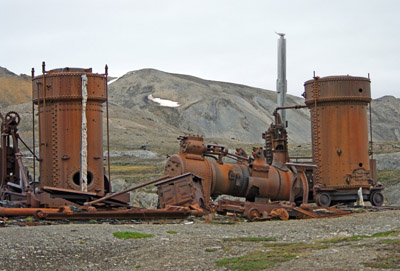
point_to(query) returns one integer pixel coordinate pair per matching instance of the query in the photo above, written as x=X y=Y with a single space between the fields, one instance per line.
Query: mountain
x=14 y=89
x=223 y=112
x=210 y=108
x=386 y=118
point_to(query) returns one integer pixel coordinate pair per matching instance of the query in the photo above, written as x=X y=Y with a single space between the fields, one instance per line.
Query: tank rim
x=339 y=78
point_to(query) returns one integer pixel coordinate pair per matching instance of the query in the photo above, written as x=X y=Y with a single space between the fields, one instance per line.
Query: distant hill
x=210 y=108
x=14 y=89
x=223 y=112
x=386 y=118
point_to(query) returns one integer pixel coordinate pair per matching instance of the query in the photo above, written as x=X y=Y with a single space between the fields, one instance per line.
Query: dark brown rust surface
x=340 y=144
x=338 y=106
x=254 y=179
x=181 y=191
x=58 y=94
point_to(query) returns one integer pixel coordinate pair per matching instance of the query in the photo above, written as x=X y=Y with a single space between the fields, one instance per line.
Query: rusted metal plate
x=184 y=191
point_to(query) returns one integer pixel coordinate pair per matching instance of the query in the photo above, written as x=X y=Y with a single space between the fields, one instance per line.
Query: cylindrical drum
x=232 y=179
x=338 y=106
x=58 y=94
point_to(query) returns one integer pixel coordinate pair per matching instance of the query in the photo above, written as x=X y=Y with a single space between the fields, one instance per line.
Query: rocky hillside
x=14 y=89
x=386 y=118
x=218 y=110
x=210 y=108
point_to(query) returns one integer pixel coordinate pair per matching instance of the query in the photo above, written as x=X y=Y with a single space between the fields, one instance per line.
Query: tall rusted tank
x=58 y=95
x=340 y=145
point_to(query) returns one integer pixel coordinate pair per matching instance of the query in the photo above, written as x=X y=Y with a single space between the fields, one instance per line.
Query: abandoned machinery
x=69 y=104
x=341 y=165
x=72 y=182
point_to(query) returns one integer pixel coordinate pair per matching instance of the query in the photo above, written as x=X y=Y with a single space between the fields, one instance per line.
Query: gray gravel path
x=93 y=246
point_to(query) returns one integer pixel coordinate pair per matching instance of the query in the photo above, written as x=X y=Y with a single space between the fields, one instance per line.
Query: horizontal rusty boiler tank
x=58 y=95
x=338 y=107
x=255 y=181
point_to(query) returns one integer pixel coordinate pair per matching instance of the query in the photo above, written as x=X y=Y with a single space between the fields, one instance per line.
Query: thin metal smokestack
x=281 y=83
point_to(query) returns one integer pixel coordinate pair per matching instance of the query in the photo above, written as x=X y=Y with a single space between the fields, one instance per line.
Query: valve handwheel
x=12 y=118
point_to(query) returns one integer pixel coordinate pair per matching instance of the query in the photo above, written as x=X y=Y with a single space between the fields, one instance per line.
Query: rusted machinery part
x=376 y=198
x=12 y=119
x=8 y=212
x=299 y=181
x=275 y=184
x=323 y=199
x=194 y=209
x=339 y=110
x=133 y=213
x=283 y=210
x=185 y=190
x=253 y=214
x=57 y=95
x=236 y=179
x=55 y=197
x=281 y=213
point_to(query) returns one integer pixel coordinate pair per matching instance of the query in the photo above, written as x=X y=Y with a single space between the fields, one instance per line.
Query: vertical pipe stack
x=281 y=83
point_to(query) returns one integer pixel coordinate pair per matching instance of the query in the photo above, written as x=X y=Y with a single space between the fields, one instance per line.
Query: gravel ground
x=196 y=245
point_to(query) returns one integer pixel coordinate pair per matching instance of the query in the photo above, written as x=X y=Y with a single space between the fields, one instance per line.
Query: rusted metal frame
x=18 y=156
x=3 y=154
x=297 y=106
x=302 y=176
x=43 y=100
x=33 y=136
x=108 y=127
x=7 y=212
x=301 y=210
x=232 y=155
x=128 y=190
x=26 y=146
x=238 y=157
x=301 y=165
x=337 y=210
x=63 y=190
x=147 y=214
x=315 y=131
x=77 y=195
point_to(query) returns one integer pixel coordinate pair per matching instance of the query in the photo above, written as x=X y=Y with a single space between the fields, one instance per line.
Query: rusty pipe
x=108 y=126
x=134 y=213
x=26 y=211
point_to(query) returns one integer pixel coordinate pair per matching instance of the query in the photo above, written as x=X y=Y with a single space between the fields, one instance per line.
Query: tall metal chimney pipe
x=281 y=83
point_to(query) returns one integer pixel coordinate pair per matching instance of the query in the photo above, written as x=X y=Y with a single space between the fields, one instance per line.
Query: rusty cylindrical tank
x=255 y=182
x=58 y=94
x=338 y=107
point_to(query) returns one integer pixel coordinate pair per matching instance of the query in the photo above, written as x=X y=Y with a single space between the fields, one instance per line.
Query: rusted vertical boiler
x=58 y=95
x=338 y=107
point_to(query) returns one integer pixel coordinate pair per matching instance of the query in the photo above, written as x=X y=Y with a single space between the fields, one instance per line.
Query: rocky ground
x=361 y=241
